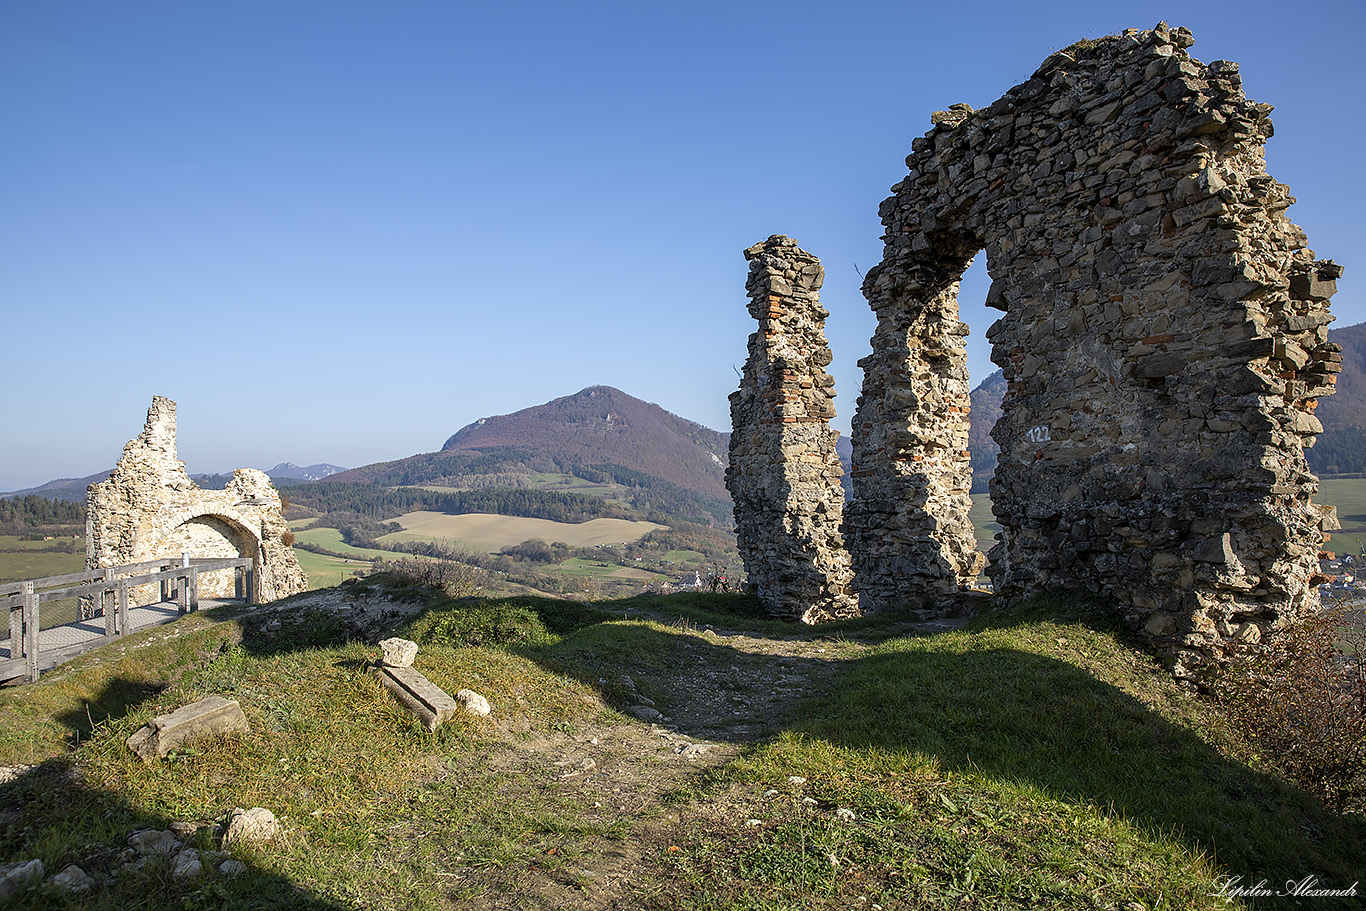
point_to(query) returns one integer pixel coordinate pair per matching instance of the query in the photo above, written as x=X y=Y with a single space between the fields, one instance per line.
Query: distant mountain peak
x=304 y=473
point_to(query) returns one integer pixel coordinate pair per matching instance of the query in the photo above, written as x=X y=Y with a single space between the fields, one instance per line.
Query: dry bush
x=1302 y=702
x=456 y=579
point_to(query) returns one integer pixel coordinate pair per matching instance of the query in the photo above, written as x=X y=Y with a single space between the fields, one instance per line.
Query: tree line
x=31 y=513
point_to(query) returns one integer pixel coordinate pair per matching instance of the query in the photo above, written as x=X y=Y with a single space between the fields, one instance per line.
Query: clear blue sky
x=339 y=231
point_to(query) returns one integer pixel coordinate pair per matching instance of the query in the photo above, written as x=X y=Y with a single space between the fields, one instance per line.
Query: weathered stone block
x=209 y=716
x=432 y=705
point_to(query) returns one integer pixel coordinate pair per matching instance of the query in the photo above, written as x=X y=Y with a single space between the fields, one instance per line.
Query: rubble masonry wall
x=1164 y=339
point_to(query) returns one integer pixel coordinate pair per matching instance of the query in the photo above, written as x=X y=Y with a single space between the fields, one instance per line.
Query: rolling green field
x=331 y=539
x=26 y=564
x=983 y=522
x=325 y=572
x=1349 y=496
x=490 y=533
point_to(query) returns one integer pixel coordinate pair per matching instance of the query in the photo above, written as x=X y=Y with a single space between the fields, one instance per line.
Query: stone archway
x=1164 y=341
x=209 y=536
x=149 y=508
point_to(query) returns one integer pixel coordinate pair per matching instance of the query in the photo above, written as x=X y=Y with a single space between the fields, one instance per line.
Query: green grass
x=1032 y=760
x=324 y=571
x=331 y=539
x=16 y=567
x=983 y=522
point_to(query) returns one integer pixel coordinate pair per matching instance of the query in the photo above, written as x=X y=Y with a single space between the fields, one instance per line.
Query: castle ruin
x=784 y=474
x=149 y=509
x=1164 y=340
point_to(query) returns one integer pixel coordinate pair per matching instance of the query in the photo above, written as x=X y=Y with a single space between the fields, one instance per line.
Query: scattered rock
x=232 y=868
x=210 y=715
x=473 y=703
x=398 y=652
x=71 y=879
x=256 y=824
x=152 y=841
x=187 y=865
x=18 y=876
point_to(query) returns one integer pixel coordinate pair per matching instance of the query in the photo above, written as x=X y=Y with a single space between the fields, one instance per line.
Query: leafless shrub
x=454 y=578
x=1302 y=701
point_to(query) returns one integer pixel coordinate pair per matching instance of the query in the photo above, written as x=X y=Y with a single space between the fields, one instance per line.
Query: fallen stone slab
x=210 y=715
x=432 y=705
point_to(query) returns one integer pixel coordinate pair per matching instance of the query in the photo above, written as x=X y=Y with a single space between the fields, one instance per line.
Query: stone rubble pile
x=169 y=850
x=784 y=474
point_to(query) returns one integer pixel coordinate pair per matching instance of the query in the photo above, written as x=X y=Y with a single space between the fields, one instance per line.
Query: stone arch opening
x=1164 y=340
x=210 y=536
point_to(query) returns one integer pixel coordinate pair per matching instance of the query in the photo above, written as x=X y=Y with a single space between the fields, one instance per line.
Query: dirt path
x=635 y=778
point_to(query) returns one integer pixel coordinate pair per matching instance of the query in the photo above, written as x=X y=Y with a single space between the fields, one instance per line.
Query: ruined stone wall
x=1164 y=341
x=784 y=474
x=149 y=508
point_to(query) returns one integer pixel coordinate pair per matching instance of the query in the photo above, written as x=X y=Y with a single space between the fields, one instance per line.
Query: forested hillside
x=1341 y=448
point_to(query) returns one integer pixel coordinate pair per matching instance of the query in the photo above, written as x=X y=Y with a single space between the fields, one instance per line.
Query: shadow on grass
x=50 y=812
x=980 y=706
x=119 y=697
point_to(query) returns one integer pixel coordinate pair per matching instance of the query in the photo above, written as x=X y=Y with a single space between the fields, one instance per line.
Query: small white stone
x=232 y=868
x=845 y=813
x=71 y=879
x=398 y=652
x=796 y=779
x=473 y=703
x=187 y=865
x=256 y=824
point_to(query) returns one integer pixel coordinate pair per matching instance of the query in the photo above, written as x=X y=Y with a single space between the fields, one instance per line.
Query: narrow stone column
x=784 y=474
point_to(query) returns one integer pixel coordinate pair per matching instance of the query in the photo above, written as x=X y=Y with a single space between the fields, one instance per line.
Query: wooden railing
x=106 y=591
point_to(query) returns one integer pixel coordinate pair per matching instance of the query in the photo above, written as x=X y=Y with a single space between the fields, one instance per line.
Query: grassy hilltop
x=1032 y=759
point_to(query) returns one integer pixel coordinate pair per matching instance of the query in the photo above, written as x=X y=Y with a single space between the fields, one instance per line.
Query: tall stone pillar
x=784 y=474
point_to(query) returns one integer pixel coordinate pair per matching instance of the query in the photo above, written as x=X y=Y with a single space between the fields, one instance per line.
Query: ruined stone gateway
x=149 y=508
x=1164 y=342
x=784 y=474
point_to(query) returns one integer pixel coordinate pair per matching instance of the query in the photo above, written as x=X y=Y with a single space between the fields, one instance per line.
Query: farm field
x=1349 y=496
x=599 y=569
x=983 y=522
x=331 y=539
x=490 y=533
x=324 y=571
x=15 y=567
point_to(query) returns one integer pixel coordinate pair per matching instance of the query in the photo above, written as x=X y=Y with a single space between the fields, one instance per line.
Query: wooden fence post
x=107 y=601
x=16 y=631
x=183 y=595
x=31 y=631
x=122 y=598
x=192 y=583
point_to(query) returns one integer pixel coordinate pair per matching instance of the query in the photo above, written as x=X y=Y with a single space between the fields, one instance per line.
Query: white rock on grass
x=256 y=824
x=71 y=879
x=398 y=652
x=473 y=703
x=19 y=875
x=152 y=841
x=232 y=868
x=187 y=866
